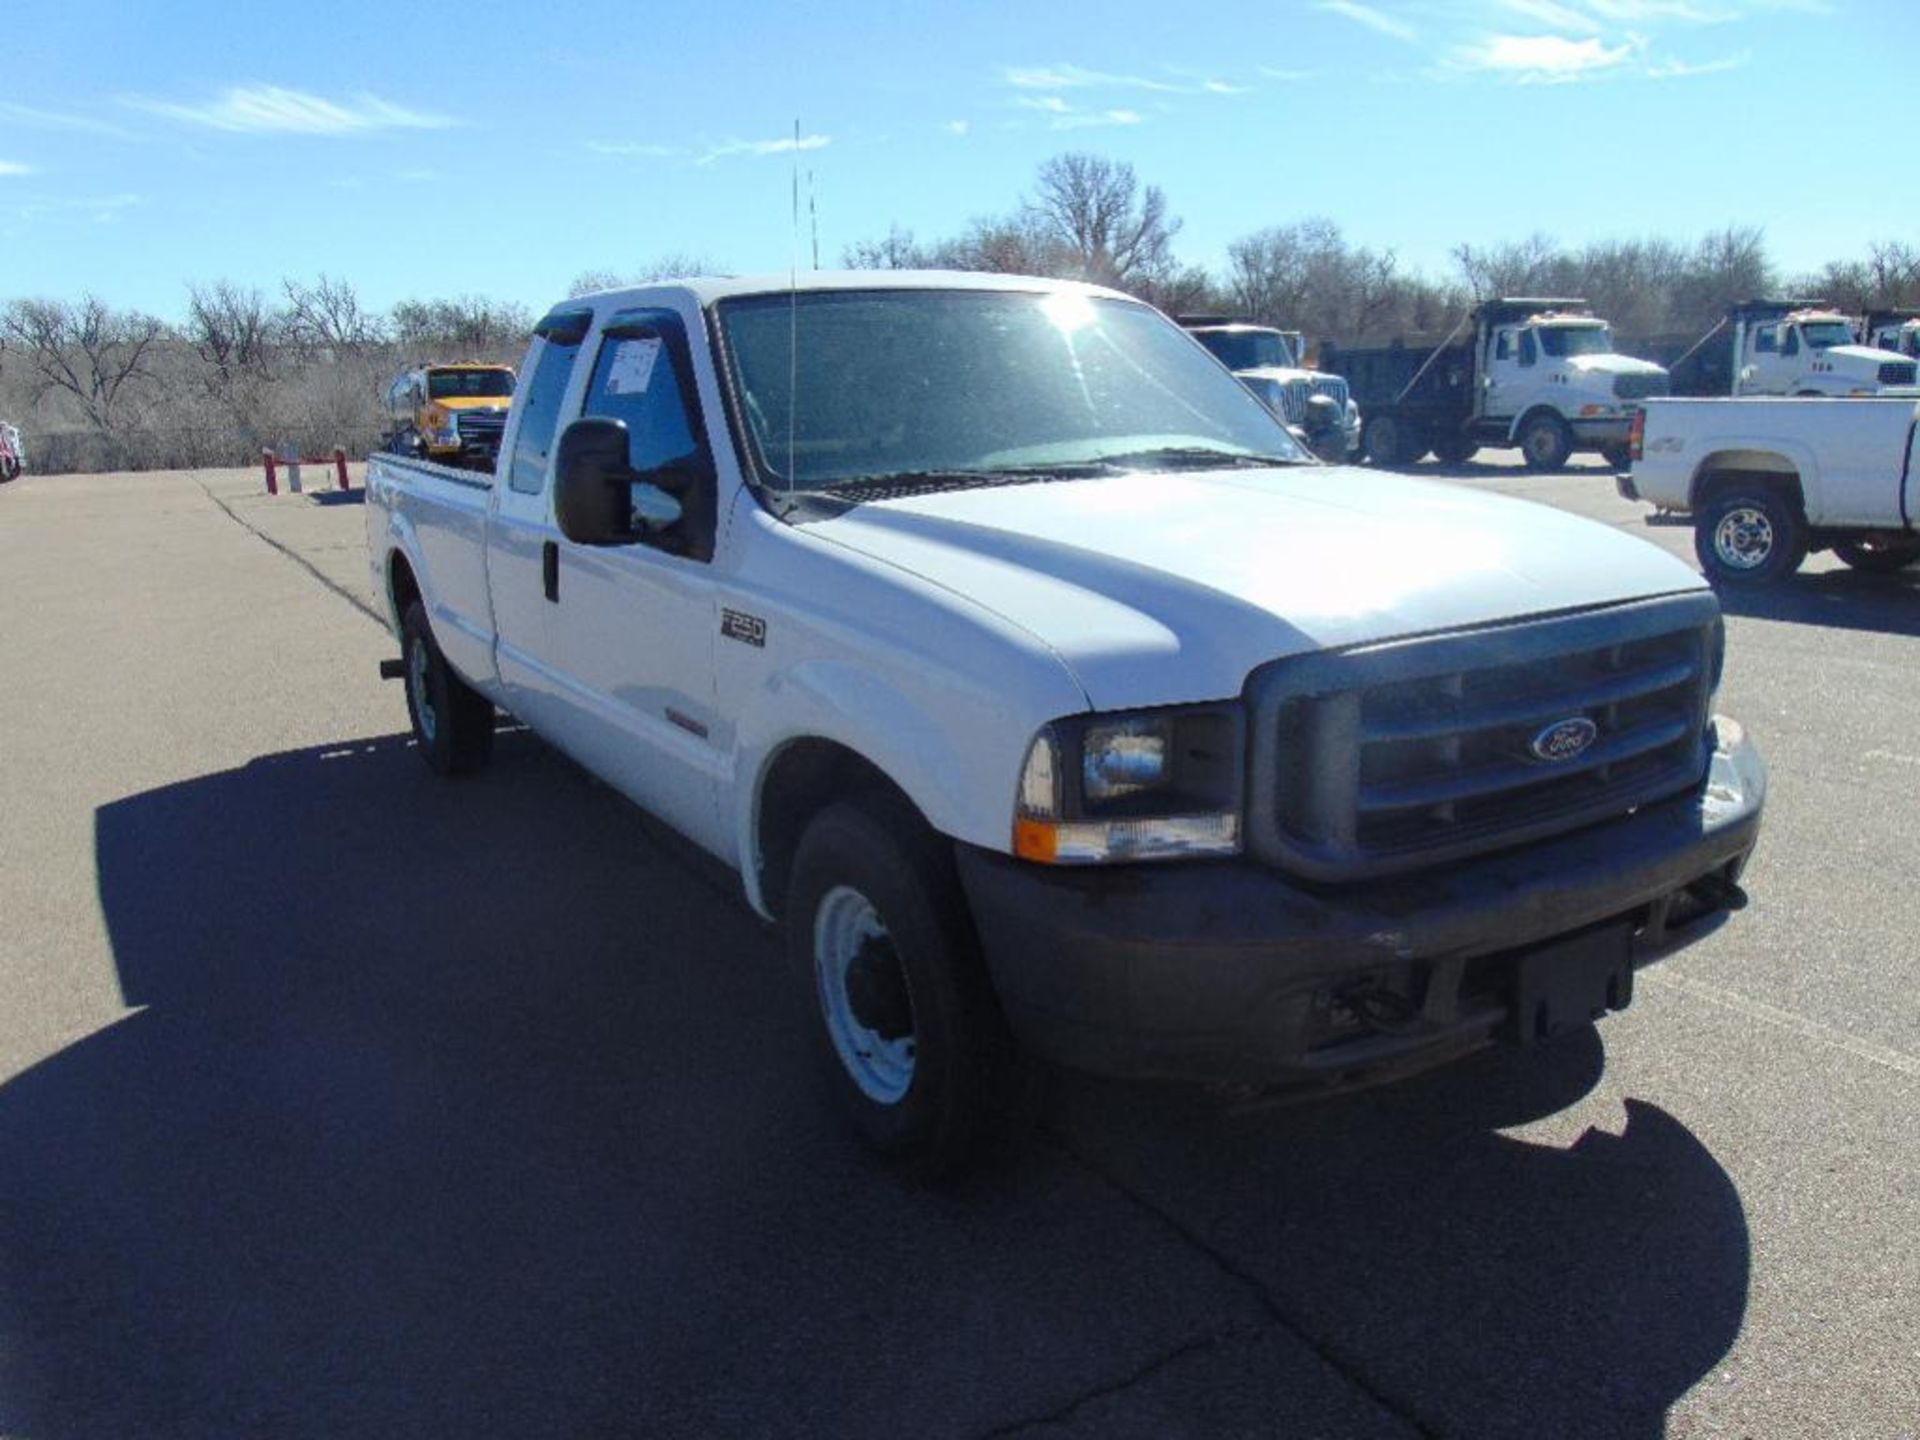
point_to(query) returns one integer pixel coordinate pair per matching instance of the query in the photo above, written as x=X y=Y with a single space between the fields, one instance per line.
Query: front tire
x=913 y=1042
x=452 y=722
x=1390 y=441
x=1878 y=557
x=1749 y=537
x=1546 y=442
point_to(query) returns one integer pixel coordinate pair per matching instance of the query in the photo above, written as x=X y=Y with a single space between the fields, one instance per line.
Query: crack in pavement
x=294 y=555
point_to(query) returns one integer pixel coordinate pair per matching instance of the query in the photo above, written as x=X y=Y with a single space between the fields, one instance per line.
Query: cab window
x=1529 y=348
x=1766 y=340
x=636 y=382
x=1503 y=347
x=540 y=411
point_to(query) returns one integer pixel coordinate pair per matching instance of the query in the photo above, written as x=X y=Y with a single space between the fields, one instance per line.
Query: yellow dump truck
x=451 y=413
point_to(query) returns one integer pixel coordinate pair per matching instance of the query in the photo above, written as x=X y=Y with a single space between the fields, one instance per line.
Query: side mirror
x=599 y=499
x=593 y=484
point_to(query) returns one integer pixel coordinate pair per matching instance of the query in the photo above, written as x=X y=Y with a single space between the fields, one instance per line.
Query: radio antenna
x=813 y=216
x=793 y=312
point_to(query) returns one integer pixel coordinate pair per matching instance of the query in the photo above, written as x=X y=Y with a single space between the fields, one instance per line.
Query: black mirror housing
x=593 y=483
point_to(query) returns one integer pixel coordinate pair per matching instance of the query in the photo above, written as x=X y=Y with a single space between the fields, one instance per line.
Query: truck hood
x=1164 y=588
x=1861 y=359
x=1613 y=365
x=1282 y=373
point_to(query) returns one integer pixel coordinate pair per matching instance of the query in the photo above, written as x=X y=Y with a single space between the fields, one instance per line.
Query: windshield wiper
x=885 y=482
x=1199 y=457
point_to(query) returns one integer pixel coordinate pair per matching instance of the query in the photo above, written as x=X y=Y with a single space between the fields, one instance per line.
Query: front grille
x=1392 y=757
x=480 y=431
x=1899 y=372
x=1295 y=393
x=1639 y=387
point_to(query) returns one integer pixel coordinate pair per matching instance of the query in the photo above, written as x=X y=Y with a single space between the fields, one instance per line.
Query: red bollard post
x=340 y=465
x=273 y=487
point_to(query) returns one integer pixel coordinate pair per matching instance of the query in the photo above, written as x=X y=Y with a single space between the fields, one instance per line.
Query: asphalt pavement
x=339 y=1100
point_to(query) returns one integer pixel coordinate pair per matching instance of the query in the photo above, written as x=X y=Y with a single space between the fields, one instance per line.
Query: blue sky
x=503 y=148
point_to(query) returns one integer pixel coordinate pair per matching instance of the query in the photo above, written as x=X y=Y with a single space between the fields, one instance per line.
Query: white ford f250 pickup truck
x=1052 y=699
x=1768 y=481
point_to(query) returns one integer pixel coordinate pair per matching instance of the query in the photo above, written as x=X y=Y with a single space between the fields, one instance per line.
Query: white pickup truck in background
x=1769 y=481
x=1052 y=699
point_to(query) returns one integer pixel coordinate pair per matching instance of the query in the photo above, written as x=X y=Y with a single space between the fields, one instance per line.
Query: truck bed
x=445 y=508
x=1377 y=374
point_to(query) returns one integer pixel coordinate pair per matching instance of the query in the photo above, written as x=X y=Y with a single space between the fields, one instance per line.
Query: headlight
x=1158 y=785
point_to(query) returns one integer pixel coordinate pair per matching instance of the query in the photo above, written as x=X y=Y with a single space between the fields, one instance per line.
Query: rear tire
x=1546 y=442
x=1750 y=536
x=452 y=722
x=1878 y=557
x=1391 y=441
x=914 y=1046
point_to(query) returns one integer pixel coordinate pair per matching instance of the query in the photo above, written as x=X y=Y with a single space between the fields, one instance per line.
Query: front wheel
x=1390 y=441
x=1546 y=442
x=914 y=1045
x=452 y=722
x=1877 y=556
x=1748 y=538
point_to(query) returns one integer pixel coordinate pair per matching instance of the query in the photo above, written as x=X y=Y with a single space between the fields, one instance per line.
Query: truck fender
x=1539 y=407
x=1768 y=456
x=404 y=543
x=856 y=709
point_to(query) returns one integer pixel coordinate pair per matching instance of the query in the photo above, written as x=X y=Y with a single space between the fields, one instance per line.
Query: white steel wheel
x=865 y=999
x=419 y=665
x=1743 y=539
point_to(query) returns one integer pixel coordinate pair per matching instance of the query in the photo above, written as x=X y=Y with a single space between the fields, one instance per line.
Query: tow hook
x=393 y=669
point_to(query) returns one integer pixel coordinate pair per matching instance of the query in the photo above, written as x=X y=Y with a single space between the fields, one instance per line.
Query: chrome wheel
x=418 y=662
x=1744 y=539
x=864 y=997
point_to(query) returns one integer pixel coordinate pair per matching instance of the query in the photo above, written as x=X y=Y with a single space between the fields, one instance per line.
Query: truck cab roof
x=704 y=290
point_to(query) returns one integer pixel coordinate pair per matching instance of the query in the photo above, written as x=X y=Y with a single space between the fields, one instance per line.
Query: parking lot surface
x=339 y=1100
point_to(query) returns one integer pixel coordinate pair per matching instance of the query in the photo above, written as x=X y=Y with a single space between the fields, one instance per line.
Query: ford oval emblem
x=1565 y=739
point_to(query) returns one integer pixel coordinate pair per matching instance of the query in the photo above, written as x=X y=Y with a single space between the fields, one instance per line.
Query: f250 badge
x=1564 y=739
x=747 y=629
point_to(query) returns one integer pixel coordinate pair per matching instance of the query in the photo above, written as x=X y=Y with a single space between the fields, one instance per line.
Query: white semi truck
x=1897 y=330
x=1787 y=347
x=1540 y=374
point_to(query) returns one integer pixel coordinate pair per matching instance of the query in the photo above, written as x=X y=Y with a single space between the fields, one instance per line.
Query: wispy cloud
x=14 y=167
x=1682 y=69
x=1375 y=20
x=633 y=147
x=956 y=127
x=1274 y=72
x=1551 y=59
x=1089 y=119
x=273 y=109
x=1641 y=12
x=1050 y=104
x=1078 y=77
x=785 y=145
x=1551 y=12
x=35 y=118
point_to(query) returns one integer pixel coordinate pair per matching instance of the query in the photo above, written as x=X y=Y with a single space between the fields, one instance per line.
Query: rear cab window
x=560 y=336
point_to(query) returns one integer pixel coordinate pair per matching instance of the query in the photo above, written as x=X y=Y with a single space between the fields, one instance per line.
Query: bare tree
x=1116 y=232
x=89 y=351
x=1306 y=276
x=328 y=314
x=231 y=330
x=674 y=265
x=897 y=250
x=471 y=324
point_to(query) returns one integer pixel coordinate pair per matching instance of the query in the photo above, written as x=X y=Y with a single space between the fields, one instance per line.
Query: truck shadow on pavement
x=1835 y=599
x=485 y=1108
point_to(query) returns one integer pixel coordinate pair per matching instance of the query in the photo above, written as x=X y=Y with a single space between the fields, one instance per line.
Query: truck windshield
x=966 y=386
x=1560 y=341
x=1249 y=349
x=469 y=384
x=1825 y=334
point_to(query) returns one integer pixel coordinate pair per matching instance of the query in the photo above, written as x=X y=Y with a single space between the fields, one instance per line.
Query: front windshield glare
x=914 y=382
x=1560 y=341
x=1825 y=334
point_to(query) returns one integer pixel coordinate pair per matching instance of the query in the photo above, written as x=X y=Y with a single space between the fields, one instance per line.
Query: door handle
x=550 y=569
